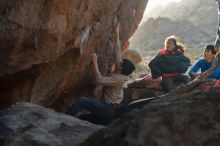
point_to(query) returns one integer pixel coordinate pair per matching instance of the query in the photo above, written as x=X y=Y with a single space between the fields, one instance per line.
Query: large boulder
x=25 y=124
x=46 y=45
x=144 y=87
x=186 y=120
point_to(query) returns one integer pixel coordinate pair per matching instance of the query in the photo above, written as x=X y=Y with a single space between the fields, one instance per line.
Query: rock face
x=141 y=88
x=185 y=120
x=46 y=45
x=32 y=125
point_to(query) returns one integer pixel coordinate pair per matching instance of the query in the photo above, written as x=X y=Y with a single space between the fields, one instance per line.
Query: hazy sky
x=153 y=3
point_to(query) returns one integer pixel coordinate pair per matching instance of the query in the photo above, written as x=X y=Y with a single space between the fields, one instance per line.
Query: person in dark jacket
x=171 y=64
x=205 y=63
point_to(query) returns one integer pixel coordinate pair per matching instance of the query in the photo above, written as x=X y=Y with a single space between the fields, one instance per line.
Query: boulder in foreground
x=25 y=124
x=190 y=119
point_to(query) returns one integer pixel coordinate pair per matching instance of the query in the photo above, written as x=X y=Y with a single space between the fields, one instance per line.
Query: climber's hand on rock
x=117 y=28
x=94 y=58
x=116 y=35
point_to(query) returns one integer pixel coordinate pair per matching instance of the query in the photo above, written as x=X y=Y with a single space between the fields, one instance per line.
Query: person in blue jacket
x=205 y=63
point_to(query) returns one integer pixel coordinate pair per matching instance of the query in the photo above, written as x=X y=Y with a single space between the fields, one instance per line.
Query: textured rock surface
x=45 y=46
x=25 y=124
x=141 y=88
x=184 y=120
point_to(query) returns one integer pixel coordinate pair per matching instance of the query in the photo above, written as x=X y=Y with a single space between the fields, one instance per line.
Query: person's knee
x=81 y=99
x=168 y=84
x=109 y=115
x=168 y=88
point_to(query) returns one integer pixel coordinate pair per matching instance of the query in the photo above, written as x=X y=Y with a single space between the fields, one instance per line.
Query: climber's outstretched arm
x=117 y=49
x=117 y=45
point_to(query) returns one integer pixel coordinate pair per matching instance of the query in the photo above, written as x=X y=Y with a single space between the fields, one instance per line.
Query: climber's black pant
x=138 y=104
x=106 y=114
x=99 y=109
x=170 y=81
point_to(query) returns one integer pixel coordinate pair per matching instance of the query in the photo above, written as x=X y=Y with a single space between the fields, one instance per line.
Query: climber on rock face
x=112 y=87
x=171 y=64
x=205 y=63
x=112 y=92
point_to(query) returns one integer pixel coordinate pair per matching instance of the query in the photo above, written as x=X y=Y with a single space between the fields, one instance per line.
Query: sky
x=152 y=3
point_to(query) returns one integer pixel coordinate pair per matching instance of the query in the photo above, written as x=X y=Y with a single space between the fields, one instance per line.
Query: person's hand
x=117 y=29
x=94 y=58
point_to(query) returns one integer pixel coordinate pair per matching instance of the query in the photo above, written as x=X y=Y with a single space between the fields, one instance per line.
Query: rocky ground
x=186 y=120
x=190 y=119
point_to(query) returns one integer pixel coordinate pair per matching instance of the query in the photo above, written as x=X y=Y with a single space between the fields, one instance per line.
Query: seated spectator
x=205 y=63
x=171 y=64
